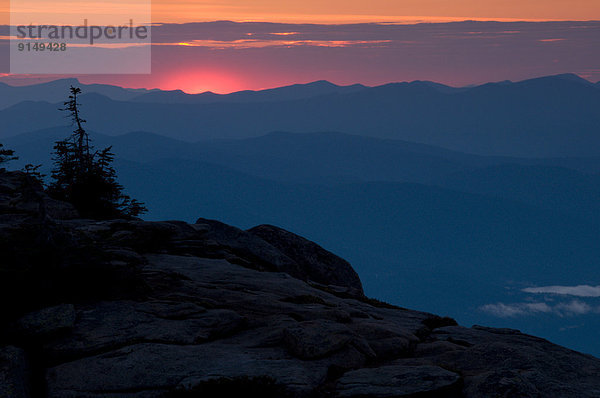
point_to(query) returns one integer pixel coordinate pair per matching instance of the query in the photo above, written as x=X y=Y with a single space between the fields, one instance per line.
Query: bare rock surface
x=129 y=308
x=395 y=381
x=46 y=321
x=14 y=373
x=317 y=263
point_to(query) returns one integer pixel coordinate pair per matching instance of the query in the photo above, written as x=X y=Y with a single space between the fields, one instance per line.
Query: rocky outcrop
x=274 y=249
x=21 y=194
x=316 y=264
x=128 y=308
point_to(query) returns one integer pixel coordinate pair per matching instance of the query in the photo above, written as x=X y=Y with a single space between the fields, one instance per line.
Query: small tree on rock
x=85 y=177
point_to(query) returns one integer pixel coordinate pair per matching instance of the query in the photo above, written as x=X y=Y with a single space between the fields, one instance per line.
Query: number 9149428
x=42 y=46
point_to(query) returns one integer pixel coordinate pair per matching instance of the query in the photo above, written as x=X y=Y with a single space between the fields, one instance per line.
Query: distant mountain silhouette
x=554 y=116
x=287 y=93
x=324 y=158
x=54 y=91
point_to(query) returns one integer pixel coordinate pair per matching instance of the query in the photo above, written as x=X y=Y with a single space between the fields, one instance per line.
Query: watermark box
x=80 y=37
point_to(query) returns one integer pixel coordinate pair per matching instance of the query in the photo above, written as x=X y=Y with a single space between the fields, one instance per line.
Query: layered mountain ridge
x=552 y=116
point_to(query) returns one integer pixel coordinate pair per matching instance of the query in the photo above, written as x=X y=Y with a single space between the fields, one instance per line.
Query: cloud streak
x=571 y=308
x=251 y=43
x=578 y=291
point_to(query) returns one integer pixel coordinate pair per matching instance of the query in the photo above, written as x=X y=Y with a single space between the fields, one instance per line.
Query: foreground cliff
x=128 y=308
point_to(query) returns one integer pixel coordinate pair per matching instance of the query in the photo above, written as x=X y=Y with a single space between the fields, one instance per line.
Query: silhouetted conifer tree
x=33 y=171
x=6 y=155
x=85 y=177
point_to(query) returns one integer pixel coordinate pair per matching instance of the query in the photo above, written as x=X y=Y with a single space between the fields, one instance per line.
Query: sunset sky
x=344 y=11
x=275 y=43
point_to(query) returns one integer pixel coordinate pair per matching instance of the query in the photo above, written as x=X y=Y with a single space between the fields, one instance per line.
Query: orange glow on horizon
x=202 y=80
x=360 y=11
